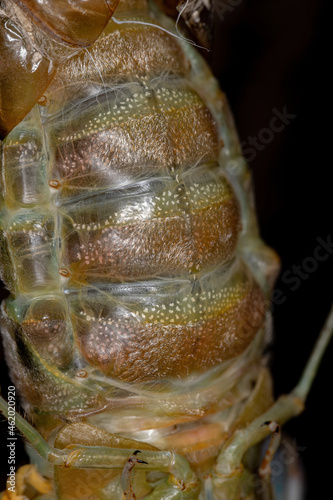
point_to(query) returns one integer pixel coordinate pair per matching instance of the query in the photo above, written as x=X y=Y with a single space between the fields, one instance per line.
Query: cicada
x=140 y=289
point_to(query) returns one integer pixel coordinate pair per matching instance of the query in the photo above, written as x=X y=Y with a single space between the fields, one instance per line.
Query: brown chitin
x=27 y=63
x=178 y=337
x=147 y=126
x=70 y=22
x=125 y=243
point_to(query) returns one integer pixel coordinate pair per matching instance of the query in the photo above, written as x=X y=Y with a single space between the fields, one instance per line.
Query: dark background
x=270 y=54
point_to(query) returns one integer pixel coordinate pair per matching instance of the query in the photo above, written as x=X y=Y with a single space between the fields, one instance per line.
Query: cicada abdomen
x=138 y=313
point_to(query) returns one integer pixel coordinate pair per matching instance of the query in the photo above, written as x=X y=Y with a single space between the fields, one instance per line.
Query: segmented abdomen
x=120 y=226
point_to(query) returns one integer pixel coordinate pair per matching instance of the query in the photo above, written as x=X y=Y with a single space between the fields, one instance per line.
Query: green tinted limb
x=229 y=469
x=182 y=482
x=183 y=479
x=303 y=387
x=125 y=481
x=29 y=432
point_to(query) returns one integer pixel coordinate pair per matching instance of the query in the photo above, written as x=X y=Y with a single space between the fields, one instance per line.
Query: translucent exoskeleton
x=139 y=308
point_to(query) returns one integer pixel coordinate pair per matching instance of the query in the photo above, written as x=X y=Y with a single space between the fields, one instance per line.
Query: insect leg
x=126 y=475
x=229 y=468
x=27 y=476
x=181 y=481
x=303 y=387
x=34 y=438
x=265 y=469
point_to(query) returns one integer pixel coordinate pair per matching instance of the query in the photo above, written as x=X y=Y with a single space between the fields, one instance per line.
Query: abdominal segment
x=119 y=228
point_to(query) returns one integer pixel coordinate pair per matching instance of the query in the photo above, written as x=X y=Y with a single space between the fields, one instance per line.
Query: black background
x=270 y=54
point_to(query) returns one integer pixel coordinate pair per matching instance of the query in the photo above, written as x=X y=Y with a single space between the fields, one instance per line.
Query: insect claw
x=126 y=475
x=137 y=460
